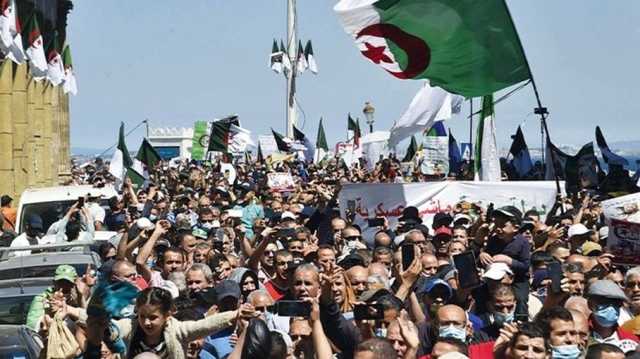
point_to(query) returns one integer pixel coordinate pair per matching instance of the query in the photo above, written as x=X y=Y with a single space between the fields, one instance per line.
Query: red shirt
x=276 y=292
x=476 y=351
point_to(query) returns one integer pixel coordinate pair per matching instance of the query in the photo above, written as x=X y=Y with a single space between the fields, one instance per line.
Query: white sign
x=267 y=144
x=436 y=155
x=625 y=208
x=371 y=200
x=281 y=181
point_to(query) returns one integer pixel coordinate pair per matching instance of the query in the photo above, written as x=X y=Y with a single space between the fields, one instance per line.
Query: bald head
x=379 y=269
x=451 y=314
x=146 y=355
x=578 y=304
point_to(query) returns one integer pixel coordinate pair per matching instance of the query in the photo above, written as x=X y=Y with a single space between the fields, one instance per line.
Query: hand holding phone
x=291 y=308
x=408 y=255
x=375 y=222
x=368 y=312
x=465 y=264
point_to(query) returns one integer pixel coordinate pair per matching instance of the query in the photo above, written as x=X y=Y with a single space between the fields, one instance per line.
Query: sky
x=174 y=64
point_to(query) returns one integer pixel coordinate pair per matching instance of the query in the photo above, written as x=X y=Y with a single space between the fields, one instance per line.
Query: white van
x=51 y=203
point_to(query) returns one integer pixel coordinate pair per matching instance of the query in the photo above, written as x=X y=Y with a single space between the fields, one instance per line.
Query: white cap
x=460 y=216
x=497 y=271
x=577 y=230
x=144 y=224
x=215 y=223
x=289 y=215
x=454 y=355
x=172 y=288
x=604 y=232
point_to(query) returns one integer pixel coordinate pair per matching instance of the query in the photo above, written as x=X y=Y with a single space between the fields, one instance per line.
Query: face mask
x=140 y=207
x=151 y=263
x=207 y=225
x=381 y=332
x=503 y=318
x=542 y=293
x=153 y=217
x=452 y=331
x=606 y=316
x=565 y=352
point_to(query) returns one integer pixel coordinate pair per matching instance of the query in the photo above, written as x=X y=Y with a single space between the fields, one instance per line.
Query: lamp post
x=368 y=112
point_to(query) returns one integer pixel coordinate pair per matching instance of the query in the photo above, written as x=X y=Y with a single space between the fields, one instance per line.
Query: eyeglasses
x=288 y=264
x=352 y=238
x=298 y=337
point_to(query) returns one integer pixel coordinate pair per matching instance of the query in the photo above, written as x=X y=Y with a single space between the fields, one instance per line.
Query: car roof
x=49 y=258
x=63 y=193
x=13 y=336
x=27 y=287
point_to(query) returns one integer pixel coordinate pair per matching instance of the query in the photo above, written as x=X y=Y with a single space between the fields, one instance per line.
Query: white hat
x=604 y=232
x=145 y=224
x=289 y=215
x=454 y=355
x=215 y=224
x=171 y=288
x=497 y=271
x=577 y=230
x=460 y=216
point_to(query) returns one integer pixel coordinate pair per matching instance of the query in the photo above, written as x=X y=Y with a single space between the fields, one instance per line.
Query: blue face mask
x=451 y=331
x=565 y=352
x=606 y=315
x=503 y=318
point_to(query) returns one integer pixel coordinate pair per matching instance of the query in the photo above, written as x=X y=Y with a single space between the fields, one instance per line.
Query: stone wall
x=34 y=131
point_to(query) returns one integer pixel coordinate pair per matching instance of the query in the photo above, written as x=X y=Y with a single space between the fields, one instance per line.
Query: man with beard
x=279 y=285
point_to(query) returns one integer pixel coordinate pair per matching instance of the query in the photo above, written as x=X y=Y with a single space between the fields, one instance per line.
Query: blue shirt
x=217 y=345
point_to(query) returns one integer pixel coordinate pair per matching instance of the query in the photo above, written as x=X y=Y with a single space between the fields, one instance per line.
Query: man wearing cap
x=605 y=299
x=228 y=299
x=578 y=235
x=8 y=213
x=506 y=245
x=31 y=236
x=63 y=295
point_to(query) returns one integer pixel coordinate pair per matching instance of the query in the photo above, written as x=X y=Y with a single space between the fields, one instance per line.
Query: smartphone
x=465 y=264
x=351 y=205
x=490 y=211
x=522 y=318
x=555 y=272
x=291 y=308
x=80 y=202
x=217 y=245
x=368 y=311
x=376 y=222
x=408 y=255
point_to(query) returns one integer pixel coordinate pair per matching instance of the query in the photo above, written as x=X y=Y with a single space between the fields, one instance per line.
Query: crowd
x=203 y=267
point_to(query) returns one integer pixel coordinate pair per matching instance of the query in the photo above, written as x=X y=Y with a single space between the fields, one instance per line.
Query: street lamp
x=368 y=112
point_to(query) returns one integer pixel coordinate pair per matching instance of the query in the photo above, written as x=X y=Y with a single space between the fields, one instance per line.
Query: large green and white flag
x=467 y=47
x=145 y=159
x=10 y=37
x=487 y=160
x=121 y=163
x=228 y=137
x=55 y=67
x=301 y=60
x=322 y=148
x=35 y=49
x=200 y=141
x=70 y=85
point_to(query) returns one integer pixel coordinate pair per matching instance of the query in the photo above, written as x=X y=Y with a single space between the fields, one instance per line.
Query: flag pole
x=471 y=122
x=291 y=77
x=540 y=110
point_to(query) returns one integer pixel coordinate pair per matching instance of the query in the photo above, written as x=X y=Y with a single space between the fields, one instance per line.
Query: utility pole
x=292 y=49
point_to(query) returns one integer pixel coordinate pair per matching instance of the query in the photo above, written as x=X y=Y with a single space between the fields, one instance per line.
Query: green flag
x=121 y=162
x=321 y=139
x=354 y=127
x=467 y=47
x=147 y=154
x=260 y=157
x=219 y=137
x=280 y=142
x=411 y=151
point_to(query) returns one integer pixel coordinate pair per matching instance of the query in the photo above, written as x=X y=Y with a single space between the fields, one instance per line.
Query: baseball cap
x=497 y=271
x=410 y=213
x=351 y=260
x=443 y=233
x=511 y=212
x=373 y=295
x=227 y=288
x=145 y=224
x=286 y=215
x=435 y=283
x=604 y=232
x=35 y=222
x=527 y=224
x=577 y=230
x=199 y=233
x=462 y=219
x=591 y=249
x=65 y=272
x=606 y=289
x=441 y=219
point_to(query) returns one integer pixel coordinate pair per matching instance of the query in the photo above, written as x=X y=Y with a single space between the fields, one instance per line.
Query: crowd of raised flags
x=21 y=40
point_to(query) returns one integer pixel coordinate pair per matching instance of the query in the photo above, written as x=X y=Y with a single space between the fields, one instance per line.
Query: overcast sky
x=175 y=64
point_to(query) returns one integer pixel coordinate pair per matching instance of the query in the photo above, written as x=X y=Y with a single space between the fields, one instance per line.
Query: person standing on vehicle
x=32 y=236
x=76 y=225
x=8 y=213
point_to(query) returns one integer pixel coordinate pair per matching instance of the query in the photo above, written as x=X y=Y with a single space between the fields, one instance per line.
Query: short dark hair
x=531 y=330
x=595 y=351
x=178 y=250
x=380 y=347
x=546 y=316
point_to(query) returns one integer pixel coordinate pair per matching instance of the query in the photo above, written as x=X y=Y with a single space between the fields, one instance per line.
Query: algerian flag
x=70 y=85
x=121 y=162
x=147 y=155
x=259 y=156
x=487 y=161
x=311 y=60
x=353 y=131
x=282 y=143
x=301 y=61
x=286 y=60
x=308 y=149
x=55 y=68
x=467 y=47
x=228 y=137
x=411 y=150
x=10 y=38
x=321 y=144
x=276 y=58
x=35 y=49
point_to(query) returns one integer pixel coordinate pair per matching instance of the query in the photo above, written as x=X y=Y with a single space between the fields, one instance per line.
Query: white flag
x=488 y=168
x=10 y=38
x=239 y=139
x=430 y=104
x=55 y=70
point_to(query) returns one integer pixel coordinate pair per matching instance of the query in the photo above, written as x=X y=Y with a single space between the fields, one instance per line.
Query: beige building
x=34 y=131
